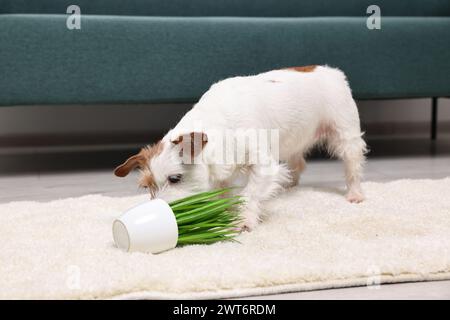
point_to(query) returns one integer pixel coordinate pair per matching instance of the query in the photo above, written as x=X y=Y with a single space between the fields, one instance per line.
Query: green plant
x=207 y=217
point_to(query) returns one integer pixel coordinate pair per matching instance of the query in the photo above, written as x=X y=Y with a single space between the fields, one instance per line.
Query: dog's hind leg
x=346 y=143
x=353 y=157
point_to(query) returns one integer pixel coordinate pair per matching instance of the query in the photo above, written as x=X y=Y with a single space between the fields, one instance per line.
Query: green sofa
x=153 y=51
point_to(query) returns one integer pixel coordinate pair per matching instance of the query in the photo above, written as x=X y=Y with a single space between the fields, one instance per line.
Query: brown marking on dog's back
x=310 y=68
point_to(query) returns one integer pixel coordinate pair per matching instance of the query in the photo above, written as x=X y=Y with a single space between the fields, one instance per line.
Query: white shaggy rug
x=312 y=239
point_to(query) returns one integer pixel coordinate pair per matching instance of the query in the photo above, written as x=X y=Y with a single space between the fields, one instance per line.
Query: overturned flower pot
x=155 y=225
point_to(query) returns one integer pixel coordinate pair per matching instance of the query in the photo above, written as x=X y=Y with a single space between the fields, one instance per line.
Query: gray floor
x=40 y=186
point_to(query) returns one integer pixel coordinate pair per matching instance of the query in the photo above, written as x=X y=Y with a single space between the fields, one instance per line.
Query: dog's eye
x=174 y=178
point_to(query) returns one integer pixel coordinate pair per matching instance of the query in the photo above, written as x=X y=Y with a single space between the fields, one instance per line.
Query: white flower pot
x=148 y=227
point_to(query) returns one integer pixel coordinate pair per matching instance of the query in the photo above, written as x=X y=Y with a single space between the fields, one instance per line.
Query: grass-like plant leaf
x=207 y=217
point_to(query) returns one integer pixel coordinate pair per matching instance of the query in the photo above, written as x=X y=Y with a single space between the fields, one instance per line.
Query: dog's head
x=170 y=163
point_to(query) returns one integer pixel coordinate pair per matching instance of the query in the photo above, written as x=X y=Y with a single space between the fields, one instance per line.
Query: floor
x=399 y=160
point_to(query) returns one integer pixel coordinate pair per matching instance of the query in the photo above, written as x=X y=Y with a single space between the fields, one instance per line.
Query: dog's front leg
x=264 y=182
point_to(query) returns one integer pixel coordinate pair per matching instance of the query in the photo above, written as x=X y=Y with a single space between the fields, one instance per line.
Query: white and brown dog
x=306 y=105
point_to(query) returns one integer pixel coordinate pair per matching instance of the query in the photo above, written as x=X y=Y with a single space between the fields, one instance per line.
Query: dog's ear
x=130 y=164
x=191 y=143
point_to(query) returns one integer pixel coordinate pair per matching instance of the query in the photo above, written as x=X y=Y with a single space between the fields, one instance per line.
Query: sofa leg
x=434 y=116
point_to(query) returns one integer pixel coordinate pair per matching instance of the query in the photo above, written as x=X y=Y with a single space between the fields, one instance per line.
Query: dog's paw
x=250 y=220
x=354 y=196
x=292 y=183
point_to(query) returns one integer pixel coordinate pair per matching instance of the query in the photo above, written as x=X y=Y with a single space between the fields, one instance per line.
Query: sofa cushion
x=154 y=59
x=250 y=8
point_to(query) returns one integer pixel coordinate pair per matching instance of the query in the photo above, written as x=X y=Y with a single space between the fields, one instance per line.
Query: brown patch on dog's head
x=139 y=160
x=303 y=68
x=193 y=142
x=147 y=181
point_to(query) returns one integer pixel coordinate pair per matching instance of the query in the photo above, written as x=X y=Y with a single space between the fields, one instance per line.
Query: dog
x=306 y=106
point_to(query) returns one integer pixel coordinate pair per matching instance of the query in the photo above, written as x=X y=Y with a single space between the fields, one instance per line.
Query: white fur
x=306 y=107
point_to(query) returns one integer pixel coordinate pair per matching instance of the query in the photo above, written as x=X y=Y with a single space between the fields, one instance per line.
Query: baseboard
x=127 y=140
x=76 y=140
x=403 y=128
